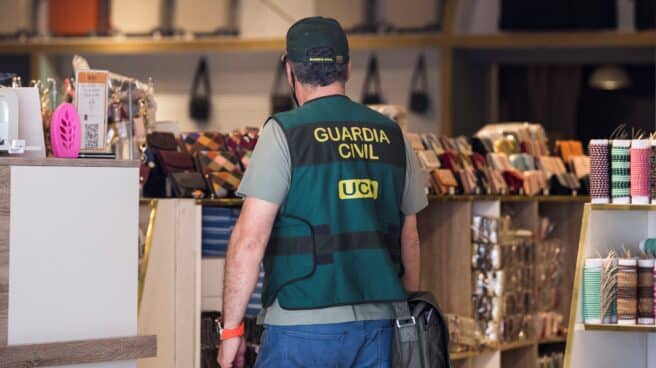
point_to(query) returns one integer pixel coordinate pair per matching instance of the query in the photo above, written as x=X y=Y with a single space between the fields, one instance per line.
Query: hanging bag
x=200 y=105
x=372 y=76
x=280 y=101
x=419 y=98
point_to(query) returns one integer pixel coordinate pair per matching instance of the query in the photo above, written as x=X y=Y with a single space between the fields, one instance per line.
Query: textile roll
x=592 y=291
x=620 y=171
x=646 y=292
x=609 y=290
x=640 y=171
x=627 y=291
x=599 y=170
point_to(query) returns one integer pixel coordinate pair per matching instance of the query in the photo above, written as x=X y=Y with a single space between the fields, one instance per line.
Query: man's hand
x=231 y=353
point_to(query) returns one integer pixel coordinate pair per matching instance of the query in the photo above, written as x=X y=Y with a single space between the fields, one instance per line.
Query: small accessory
x=65 y=132
x=188 y=185
x=200 y=105
x=171 y=162
x=164 y=141
x=372 y=75
x=226 y=333
x=419 y=98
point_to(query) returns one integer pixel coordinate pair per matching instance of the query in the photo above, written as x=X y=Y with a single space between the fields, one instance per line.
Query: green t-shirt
x=268 y=177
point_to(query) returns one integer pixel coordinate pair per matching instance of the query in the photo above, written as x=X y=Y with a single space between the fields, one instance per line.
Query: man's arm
x=410 y=253
x=245 y=252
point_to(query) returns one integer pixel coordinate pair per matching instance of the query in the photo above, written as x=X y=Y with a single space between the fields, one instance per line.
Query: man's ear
x=288 y=69
x=348 y=72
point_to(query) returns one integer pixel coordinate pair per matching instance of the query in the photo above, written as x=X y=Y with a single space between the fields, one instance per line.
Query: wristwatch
x=229 y=333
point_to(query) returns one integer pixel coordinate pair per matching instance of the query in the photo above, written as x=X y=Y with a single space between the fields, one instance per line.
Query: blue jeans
x=361 y=344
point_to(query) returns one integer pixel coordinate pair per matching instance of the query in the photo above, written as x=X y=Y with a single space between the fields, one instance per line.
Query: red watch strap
x=234 y=332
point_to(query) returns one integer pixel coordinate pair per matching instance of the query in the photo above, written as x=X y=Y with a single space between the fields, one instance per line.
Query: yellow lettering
x=368 y=134
x=357 y=133
x=383 y=137
x=358 y=151
x=345 y=134
x=320 y=135
x=357 y=189
x=330 y=133
x=371 y=153
x=344 y=154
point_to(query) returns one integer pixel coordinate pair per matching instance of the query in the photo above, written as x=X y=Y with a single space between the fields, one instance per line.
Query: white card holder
x=135 y=17
x=9 y=115
x=15 y=16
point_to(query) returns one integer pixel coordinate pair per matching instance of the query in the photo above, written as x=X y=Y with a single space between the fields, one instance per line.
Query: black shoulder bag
x=200 y=105
x=419 y=98
x=280 y=101
x=375 y=97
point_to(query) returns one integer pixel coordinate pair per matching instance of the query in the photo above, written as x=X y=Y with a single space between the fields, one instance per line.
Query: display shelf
x=78 y=352
x=144 y=45
x=623 y=207
x=516 y=345
x=582 y=39
x=616 y=328
x=553 y=340
x=510 y=198
x=471 y=354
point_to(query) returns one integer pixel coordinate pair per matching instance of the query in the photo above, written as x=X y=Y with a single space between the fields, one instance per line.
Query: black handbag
x=188 y=185
x=200 y=105
x=280 y=101
x=419 y=98
x=209 y=338
x=372 y=76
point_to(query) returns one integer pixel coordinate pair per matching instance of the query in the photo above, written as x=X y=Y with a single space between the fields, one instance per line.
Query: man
x=331 y=194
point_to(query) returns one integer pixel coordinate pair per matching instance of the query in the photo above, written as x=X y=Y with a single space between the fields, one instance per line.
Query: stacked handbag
x=501 y=159
x=199 y=165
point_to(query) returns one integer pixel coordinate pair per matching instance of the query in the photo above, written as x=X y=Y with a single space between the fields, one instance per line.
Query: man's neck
x=305 y=94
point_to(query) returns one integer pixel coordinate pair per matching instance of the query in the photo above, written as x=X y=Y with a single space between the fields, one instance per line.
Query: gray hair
x=320 y=74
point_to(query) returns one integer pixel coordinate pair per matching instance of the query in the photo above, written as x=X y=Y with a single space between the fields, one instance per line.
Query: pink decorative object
x=65 y=132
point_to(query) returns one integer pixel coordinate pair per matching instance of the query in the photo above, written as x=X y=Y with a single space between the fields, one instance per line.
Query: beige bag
x=135 y=17
x=15 y=16
x=204 y=16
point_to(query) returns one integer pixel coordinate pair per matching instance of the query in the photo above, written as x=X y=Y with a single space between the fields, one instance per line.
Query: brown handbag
x=172 y=162
x=162 y=141
x=78 y=18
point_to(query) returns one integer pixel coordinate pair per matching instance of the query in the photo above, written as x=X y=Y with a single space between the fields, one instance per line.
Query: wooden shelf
x=553 y=340
x=144 y=45
x=470 y=354
x=516 y=345
x=617 y=328
x=623 y=207
x=78 y=352
x=574 y=39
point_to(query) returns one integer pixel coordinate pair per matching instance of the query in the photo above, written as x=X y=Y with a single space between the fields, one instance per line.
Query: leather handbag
x=223 y=183
x=200 y=105
x=211 y=161
x=372 y=76
x=569 y=149
x=421 y=334
x=172 y=162
x=280 y=101
x=188 y=185
x=444 y=182
x=209 y=338
x=515 y=181
x=419 y=98
x=164 y=141
x=195 y=142
x=78 y=18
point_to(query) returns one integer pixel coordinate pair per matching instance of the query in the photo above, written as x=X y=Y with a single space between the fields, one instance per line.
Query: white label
x=91 y=103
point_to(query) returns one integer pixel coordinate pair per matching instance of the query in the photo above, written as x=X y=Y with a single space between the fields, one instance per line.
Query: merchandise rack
x=605 y=227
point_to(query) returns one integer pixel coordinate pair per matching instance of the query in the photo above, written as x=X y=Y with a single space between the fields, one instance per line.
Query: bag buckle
x=406 y=322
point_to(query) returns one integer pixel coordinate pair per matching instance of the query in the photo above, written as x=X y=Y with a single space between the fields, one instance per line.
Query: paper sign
x=91 y=102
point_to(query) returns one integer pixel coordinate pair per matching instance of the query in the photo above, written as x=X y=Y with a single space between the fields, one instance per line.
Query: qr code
x=90 y=135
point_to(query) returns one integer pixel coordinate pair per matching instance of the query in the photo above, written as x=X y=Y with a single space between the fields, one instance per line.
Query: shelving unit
x=447 y=253
x=606 y=227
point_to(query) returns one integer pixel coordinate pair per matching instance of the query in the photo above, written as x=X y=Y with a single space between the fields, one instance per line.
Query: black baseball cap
x=317 y=32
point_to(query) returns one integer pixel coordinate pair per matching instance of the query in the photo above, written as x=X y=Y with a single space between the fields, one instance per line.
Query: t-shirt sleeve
x=414 y=193
x=269 y=170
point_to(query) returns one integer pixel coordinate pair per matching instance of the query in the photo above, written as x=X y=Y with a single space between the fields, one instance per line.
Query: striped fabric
x=592 y=291
x=627 y=291
x=255 y=302
x=217 y=226
x=599 y=170
x=620 y=170
x=646 y=291
x=640 y=169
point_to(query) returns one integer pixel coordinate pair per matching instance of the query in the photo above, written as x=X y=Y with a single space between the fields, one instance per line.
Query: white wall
x=241 y=83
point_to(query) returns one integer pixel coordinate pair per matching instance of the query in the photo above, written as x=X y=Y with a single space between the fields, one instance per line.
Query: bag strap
x=419 y=82
x=202 y=75
x=404 y=322
x=372 y=75
x=278 y=80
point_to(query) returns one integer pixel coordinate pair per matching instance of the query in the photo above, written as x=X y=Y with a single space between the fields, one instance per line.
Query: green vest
x=337 y=238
